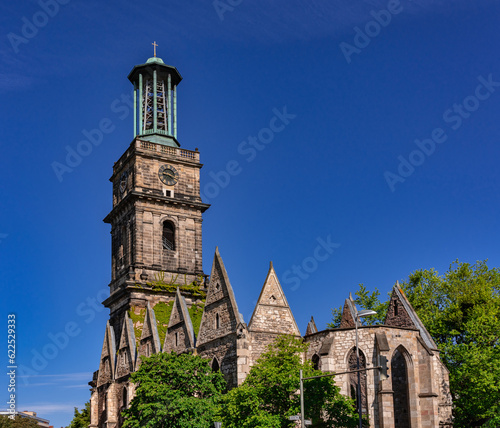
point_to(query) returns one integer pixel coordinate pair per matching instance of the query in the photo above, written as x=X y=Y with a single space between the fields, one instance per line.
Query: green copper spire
x=155 y=101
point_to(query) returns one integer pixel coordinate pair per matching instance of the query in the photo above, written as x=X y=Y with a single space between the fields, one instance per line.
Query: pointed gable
x=349 y=313
x=272 y=313
x=220 y=314
x=126 y=356
x=311 y=327
x=108 y=357
x=180 y=333
x=401 y=314
x=150 y=340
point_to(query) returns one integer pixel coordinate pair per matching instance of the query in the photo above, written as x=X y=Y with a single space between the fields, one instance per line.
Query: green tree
x=81 y=419
x=174 y=391
x=269 y=395
x=18 y=422
x=461 y=311
x=365 y=300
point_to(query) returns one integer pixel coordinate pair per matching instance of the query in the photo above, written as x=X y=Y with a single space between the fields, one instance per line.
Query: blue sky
x=343 y=172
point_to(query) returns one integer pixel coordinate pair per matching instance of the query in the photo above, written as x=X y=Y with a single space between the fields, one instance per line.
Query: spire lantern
x=155 y=101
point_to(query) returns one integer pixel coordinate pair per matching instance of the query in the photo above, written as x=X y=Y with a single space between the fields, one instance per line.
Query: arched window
x=124 y=398
x=215 y=365
x=353 y=379
x=316 y=362
x=217 y=321
x=176 y=339
x=399 y=373
x=168 y=236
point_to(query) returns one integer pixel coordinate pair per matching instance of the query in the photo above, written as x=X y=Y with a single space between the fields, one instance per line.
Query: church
x=161 y=300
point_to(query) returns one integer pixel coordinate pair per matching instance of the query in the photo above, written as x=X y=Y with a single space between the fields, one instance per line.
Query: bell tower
x=156 y=239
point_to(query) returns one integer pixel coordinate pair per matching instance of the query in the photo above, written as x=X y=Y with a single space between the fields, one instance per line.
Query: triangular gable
x=108 y=357
x=349 y=313
x=149 y=335
x=272 y=312
x=126 y=357
x=220 y=314
x=401 y=314
x=311 y=327
x=180 y=323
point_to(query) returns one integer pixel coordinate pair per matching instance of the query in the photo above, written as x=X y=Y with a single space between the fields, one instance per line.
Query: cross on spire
x=155 y=45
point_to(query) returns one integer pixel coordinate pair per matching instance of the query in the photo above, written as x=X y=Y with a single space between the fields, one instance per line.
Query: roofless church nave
x=162 y=301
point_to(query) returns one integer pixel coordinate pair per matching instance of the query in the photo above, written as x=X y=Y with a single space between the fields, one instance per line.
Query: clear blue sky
x=330 y=173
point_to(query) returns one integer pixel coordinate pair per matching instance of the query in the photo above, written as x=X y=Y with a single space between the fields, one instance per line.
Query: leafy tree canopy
x=461 y=310
x=269 y=395
x=18 y=422
x=174 y=391
x=81 y=419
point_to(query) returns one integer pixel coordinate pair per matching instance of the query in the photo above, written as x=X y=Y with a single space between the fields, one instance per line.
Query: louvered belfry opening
x=168 y=237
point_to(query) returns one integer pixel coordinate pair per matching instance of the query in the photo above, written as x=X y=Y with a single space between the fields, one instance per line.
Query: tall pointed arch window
x=168 y=236
x=399 y=371
x=353 y=379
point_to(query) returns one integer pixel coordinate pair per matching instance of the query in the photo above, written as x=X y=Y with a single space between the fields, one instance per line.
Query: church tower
x=157 y=209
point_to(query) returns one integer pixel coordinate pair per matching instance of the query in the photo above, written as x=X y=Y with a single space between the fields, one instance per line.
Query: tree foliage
x=81 y=419
x=366 y=300
x=269 y=395
x=174 y=391
x=18 y=422
x=461 y=311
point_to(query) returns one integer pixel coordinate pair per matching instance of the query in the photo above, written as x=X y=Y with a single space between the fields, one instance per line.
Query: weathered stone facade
x=161 y=301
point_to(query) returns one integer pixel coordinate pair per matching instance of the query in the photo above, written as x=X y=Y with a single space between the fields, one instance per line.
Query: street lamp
x=360 y=314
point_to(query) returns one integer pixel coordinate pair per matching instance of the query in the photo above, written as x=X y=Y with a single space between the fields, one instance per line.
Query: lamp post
x=360 y=314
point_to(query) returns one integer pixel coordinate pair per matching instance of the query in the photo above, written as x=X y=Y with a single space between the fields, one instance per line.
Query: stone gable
x=220 y=314
x=108 y=357
x=272 y=313
x=180 y=333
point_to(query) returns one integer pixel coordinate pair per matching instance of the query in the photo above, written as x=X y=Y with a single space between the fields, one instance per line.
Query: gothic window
x=353 y=379
x=316 y=362
x=168 y=237
x=125 y=398
x=399 y=372
x=176 y=339
x=131 y=238
x=215 y=365
x=217 y=321
x=123 y=250
x=396 y=308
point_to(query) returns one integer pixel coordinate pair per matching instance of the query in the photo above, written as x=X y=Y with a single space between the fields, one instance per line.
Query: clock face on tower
x=168 y=175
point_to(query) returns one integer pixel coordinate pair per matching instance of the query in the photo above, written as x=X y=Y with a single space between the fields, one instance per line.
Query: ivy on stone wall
x=164 y=284
x=162 y=313
x=195 y=312
x=138 y=320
